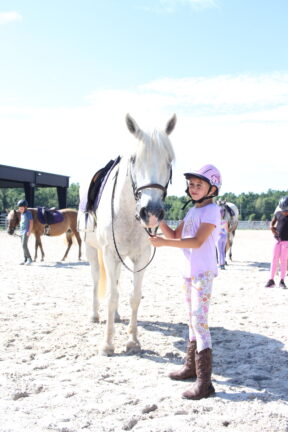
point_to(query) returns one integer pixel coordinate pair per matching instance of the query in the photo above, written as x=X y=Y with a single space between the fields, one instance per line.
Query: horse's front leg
x=133 y=344
x=231 y=243
x=112 y=278
x=92 y=257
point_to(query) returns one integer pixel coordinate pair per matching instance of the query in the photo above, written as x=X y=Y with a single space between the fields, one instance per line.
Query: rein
x=148 y=230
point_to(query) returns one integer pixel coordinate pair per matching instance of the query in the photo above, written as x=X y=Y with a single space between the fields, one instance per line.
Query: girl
x=197 y=235
x=279 y=227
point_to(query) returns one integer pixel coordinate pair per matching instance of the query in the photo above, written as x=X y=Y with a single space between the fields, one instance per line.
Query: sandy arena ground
x=52 y=378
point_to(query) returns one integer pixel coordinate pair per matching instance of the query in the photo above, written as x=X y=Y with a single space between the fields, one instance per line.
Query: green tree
x=73 y=196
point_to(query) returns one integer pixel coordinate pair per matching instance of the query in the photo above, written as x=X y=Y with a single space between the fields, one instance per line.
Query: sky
x=70 y=70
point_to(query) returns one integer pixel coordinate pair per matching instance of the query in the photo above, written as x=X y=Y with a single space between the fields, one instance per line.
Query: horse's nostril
x=161 y=214
x=143 y=213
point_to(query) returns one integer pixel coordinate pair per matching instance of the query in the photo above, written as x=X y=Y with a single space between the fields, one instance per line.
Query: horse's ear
x=131 y=124
x=171 y=124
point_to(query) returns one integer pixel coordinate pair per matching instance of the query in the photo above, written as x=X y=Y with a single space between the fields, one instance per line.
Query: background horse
x=231 y=215
x=132 y=201
x=68 y=226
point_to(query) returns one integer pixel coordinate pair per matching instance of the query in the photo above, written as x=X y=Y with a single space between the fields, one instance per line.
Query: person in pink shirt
x=279 y=228
x=197 y=236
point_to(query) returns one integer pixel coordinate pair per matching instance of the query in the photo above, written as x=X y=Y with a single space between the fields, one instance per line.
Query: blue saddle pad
x=48 y=216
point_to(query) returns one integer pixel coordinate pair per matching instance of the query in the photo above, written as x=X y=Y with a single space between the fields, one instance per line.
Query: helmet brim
x=189 y=175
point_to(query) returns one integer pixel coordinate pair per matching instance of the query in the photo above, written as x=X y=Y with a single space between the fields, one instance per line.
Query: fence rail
x=3 y=220
x=249 y=225
x=258 y=225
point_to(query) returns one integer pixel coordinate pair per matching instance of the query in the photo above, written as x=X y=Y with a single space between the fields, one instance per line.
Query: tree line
x=252 y=206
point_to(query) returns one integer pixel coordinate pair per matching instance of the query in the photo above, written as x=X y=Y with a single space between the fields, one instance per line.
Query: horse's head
x=151 y=171
x=13 y=219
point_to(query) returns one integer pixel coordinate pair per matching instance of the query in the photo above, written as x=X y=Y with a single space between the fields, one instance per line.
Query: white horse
x=132 y=202
x=231 y=215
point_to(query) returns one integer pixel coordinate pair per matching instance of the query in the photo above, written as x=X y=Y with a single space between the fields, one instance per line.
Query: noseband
x=13 y=223
x=137 y=190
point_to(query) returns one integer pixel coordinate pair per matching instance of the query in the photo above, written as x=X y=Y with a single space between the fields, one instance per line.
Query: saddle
x=49 y=216
x=90 y=199
x=97 y=184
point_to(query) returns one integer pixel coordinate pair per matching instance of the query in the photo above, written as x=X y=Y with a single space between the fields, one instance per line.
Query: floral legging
x=198 y=293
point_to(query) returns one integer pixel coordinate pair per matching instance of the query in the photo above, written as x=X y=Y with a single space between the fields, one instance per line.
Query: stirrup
x=46 y=229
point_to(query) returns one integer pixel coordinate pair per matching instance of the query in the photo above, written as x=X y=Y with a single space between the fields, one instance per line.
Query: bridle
x=137 y=190
x=137 y=196
x=15 y=220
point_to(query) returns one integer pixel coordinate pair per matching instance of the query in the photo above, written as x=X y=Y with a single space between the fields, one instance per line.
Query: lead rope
x=113 y=234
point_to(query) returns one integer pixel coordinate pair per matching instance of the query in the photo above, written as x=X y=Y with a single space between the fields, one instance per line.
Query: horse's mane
x=156 y=143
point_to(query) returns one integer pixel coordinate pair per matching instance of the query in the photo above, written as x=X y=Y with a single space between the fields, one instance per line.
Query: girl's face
x=22 y=209
x=197 y=188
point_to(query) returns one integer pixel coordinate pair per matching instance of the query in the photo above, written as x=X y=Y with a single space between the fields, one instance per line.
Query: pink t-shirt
x=200 y=260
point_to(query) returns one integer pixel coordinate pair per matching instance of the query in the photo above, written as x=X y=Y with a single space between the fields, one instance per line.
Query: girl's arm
x=169 y=233
x=273 y=224
x=201 y=236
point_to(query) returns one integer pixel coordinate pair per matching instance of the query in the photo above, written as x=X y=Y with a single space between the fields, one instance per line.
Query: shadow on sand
x=241 y=358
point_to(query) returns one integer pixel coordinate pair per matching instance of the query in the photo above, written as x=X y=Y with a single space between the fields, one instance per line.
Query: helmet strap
x=206 y=197
x=201 y=199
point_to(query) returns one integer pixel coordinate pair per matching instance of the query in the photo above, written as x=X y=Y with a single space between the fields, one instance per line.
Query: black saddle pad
x=98 y=180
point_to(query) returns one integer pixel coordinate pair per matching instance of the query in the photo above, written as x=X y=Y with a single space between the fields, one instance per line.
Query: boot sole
x=186 y=395
x=182 y=379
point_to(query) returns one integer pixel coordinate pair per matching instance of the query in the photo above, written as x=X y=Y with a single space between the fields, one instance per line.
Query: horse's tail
x=102 y=276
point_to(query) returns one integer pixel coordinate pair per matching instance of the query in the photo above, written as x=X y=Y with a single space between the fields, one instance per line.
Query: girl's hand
x=157 y=241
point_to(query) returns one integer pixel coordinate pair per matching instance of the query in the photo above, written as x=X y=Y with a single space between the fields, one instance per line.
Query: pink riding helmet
x=208 y=173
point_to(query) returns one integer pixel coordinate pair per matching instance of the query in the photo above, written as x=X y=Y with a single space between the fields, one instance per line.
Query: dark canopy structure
x=12 y=177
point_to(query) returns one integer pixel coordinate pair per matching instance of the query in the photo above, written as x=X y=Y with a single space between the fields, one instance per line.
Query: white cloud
x=238 y=123
x=7 y=17
x=223 y=93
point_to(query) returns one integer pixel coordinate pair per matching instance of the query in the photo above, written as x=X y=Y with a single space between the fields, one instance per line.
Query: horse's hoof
x=106 y=350
x=117 y=318
x=95 y=319
x=133 y=347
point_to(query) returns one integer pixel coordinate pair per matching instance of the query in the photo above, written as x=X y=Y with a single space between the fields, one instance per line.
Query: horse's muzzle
x=151 y=216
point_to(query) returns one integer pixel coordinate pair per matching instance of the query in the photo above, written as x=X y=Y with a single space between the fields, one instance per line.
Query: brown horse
x=68 y=226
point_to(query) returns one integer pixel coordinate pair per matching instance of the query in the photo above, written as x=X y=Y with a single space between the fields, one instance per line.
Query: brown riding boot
x=203 y=387
x=188 y=370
